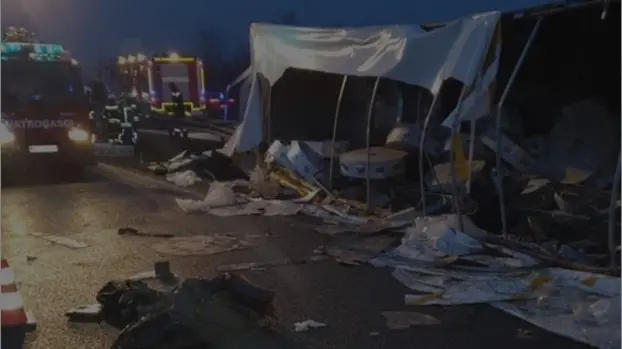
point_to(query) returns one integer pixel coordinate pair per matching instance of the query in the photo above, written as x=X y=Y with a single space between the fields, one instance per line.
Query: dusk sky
x=105 y=28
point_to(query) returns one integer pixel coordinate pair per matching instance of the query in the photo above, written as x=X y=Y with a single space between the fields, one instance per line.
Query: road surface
x=54 y=278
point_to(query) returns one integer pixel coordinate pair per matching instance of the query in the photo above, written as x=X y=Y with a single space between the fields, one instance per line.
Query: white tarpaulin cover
x=403 y=53
x=399 y=52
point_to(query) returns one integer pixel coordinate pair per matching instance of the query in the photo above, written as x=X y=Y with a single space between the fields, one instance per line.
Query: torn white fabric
x=404 y=53
x=184 y=178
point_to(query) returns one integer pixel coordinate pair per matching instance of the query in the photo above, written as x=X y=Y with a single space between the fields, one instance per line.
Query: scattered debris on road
x=221 y=200
x=61 y=240
x=447 y=266
x=224 y=312
x=304 y=326
x=503 y=221
x=450 y=251
x=161 y=272
x=88 y=313
x=199 y=245
x=264 y=265
x=525 y=334
x=184 y=179
x=136 y=232
x=402 y=320
x=354 y=250
x=517 y=242
x=186 y=169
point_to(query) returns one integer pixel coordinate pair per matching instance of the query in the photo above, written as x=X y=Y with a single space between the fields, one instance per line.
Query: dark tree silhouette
x=287 y=18
x=224 y=63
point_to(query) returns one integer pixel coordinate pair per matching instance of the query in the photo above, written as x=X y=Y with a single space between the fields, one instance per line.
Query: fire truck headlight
x=78 y=135
x=6 y=136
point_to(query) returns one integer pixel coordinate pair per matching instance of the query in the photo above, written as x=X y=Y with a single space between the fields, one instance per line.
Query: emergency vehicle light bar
x=38 y=52
x=174 y=60
x=17 y=47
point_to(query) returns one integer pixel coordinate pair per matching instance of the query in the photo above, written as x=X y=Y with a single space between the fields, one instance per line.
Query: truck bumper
x=71 y=156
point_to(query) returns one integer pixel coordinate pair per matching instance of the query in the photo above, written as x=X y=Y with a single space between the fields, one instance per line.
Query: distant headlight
x=6 y=136
x=78 y=135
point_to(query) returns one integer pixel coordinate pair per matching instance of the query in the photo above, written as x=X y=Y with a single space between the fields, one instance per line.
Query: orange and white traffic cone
x=14 y=320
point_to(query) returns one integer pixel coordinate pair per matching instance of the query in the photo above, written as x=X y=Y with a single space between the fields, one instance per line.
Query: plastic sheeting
x=399 y=52
x=249 y=133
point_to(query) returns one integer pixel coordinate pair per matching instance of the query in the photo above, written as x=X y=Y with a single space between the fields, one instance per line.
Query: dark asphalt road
x=348 y=299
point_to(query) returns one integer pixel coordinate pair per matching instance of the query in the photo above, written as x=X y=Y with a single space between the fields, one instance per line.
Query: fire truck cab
x=44 y=109
x=186 y=73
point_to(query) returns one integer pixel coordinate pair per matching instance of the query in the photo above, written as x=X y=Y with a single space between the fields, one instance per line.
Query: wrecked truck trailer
x=280 y=99
x=562 y=93
x=543 y=84
x=555 y=73
x=556 y=117
x=517 y=95
x=364 y=81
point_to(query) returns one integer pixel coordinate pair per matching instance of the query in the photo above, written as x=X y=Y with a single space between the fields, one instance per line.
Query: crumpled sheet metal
x=579 y=305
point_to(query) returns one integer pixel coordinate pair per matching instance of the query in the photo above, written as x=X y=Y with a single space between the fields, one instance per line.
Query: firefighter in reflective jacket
x=113 y=116
x=179 y=111
x=178 y=101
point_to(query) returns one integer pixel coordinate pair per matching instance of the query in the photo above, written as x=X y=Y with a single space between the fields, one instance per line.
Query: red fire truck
x=44 y=110
x=185 y=72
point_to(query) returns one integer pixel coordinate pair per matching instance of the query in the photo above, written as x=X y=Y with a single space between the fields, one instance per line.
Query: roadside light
x=174 y=56
x=131 y=59
x=78 y=135
x=141 y=57
x=6 y=136
x=121 y=60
